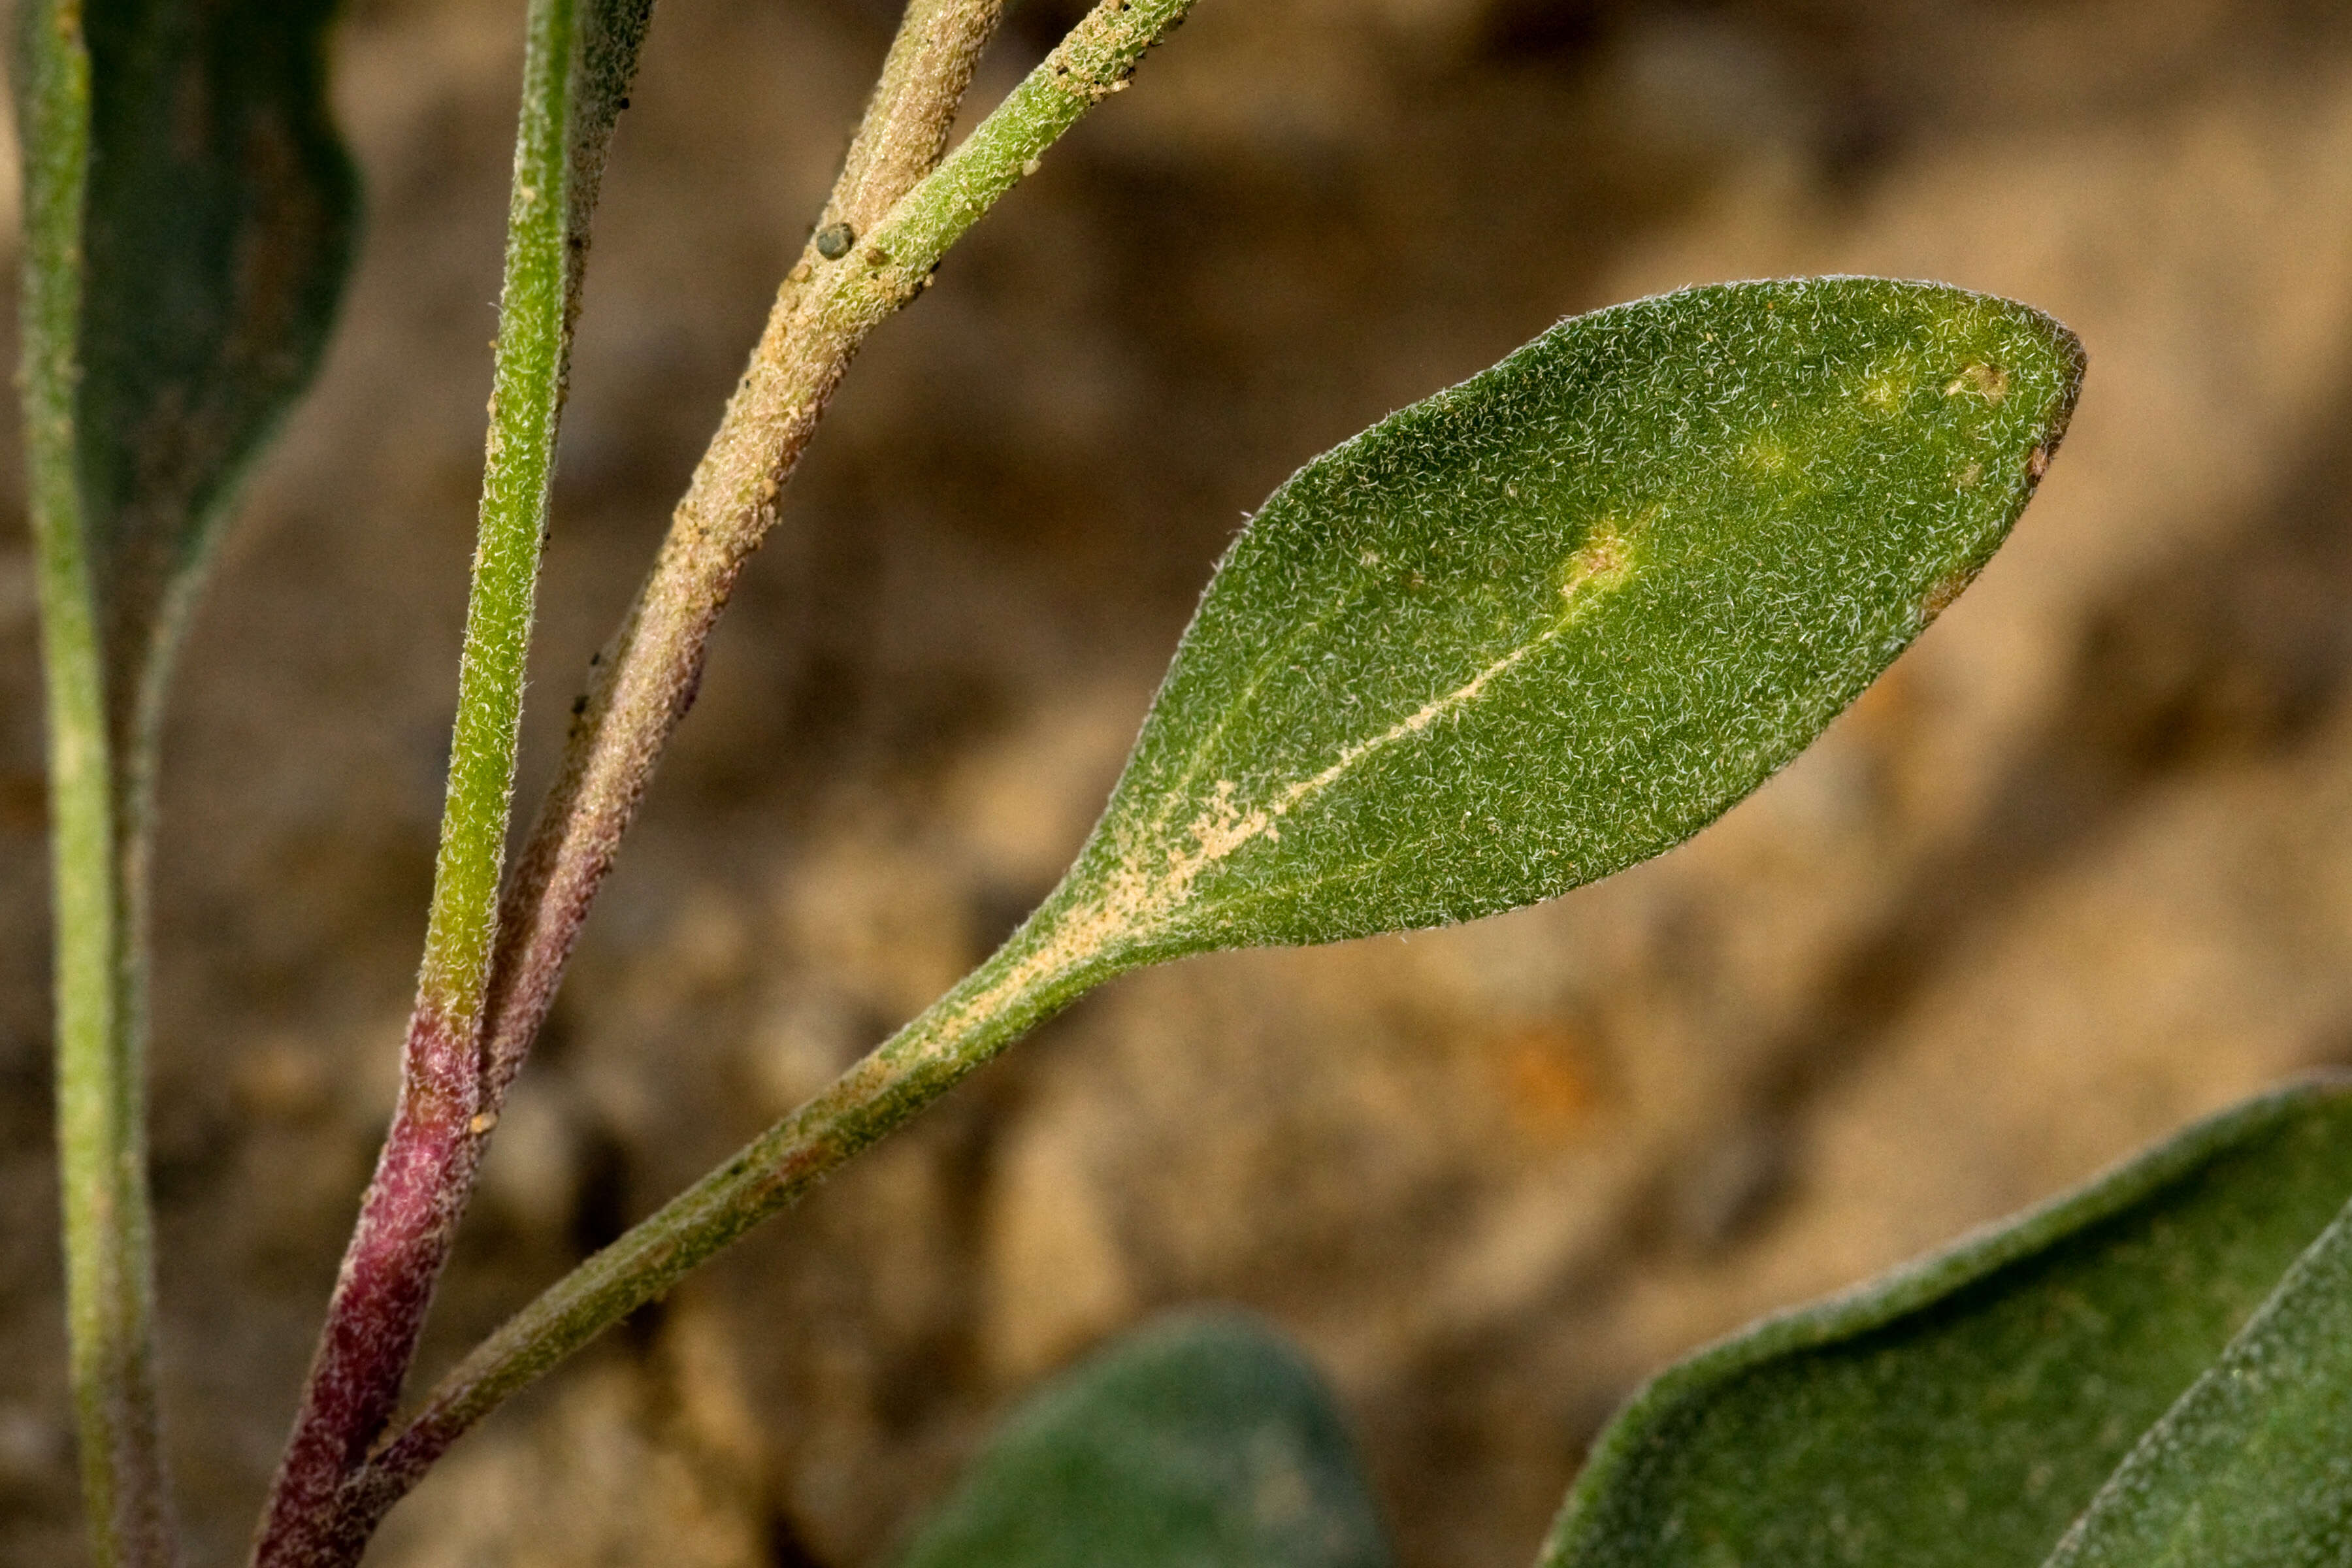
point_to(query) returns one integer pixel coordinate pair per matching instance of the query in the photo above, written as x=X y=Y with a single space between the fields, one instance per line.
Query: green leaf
x=2252 y=1468
x=218 y=231
x=1511 y=640
x=1556 y=619
x=1964 y=1411
x=1200 y=1442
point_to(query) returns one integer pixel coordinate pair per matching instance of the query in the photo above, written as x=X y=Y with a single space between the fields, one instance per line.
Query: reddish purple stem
x=381 y=1293
x=325 y=1504
x=451 y=1094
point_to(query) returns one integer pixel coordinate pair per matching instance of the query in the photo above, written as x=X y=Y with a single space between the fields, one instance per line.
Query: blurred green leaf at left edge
x=220 y=220
x=188 y=224
x=1205 y=1440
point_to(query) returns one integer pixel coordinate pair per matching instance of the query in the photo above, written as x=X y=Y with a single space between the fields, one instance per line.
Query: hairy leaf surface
x=1199 y=1440
x=1556 y=619
x=1964 y=1411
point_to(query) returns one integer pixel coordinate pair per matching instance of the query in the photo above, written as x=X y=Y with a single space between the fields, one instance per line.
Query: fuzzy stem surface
x=647 y=676
x=647 y=679
x=456 y=1066
x=99 y=769
x=409 y=1215
x=1064 y=950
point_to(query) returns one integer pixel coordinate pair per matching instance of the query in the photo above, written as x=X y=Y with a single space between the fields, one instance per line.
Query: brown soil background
x=2073 y=872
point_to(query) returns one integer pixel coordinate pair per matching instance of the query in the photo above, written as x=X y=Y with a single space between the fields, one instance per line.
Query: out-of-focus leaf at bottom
x=1200 y=1442
x=2254 y=1468
x=1965 y=1410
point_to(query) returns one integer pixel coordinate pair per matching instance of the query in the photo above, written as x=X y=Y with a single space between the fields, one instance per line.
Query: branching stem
x=1057 y=956
x=891 y=218
x=578 y=56
x=647 y=676
x=491 y=963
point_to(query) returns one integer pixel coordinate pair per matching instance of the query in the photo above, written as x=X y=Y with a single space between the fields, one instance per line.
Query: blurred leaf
x=1556 y=619
x=1964 y=1411
x=1200 y=1442
x=2252 y=1468
x=187 y=226
x=218 y=231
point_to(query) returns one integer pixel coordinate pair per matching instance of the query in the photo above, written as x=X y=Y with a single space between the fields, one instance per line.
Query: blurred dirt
x=2072 y=874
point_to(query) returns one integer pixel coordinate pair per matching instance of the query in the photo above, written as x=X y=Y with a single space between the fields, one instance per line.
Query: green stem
x=96 y=859
x=648 y=675
x=578 y=59
x=525 y=401
x=900 y=213
x=1068 y=948
x=825 y=309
